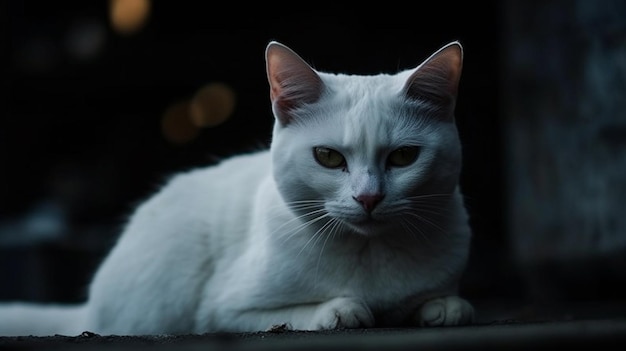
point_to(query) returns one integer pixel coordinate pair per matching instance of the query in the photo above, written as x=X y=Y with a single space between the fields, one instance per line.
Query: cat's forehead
x=363 y=99
x=363 y=113
x=367 y=122
x=381 y=84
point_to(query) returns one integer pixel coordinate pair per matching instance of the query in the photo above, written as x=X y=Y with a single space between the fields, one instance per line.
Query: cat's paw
x=445 y=311
x=342 y=312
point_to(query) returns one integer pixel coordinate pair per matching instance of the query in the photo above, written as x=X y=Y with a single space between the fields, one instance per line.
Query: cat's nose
x=369 y=201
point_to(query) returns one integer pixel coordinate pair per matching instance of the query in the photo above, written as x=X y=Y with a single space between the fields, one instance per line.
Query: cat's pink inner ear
x=437 y=78
x=292 y=81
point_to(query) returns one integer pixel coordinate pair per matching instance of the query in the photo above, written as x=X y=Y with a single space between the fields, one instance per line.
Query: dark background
x=81 y=140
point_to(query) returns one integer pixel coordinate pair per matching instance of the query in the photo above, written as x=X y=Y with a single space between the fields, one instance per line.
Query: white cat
x=353 y=218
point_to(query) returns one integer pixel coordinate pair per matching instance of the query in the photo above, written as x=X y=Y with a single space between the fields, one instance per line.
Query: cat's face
x=361 y=151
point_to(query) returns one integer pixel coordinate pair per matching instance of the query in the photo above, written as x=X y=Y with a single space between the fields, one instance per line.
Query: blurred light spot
x=85 y=39
x=128 y=16
x=176 y=125
x=212 y=105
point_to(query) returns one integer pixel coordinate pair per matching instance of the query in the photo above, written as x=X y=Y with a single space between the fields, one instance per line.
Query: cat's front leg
x=445 y=311
x=342 y=312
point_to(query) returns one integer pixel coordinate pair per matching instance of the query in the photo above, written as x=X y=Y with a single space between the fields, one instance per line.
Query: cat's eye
x=403 y=156
x=329 y=158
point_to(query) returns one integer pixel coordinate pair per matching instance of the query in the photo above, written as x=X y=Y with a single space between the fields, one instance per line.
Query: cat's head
x=365 y=151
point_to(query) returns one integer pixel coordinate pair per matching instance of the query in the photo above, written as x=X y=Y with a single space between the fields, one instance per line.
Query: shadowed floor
x=602 y=334
x=598 y=326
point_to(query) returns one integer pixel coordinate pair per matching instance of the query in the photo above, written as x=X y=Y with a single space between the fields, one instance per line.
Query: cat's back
x=236 y=172
x=215 y=193
x=199 y=206
x=172 y=244
x=209 y=208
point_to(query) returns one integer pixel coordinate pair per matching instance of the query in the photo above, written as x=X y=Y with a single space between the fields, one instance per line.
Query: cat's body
x=353 y=218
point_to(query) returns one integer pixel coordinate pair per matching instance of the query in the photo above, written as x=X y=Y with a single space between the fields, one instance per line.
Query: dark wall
x=564 y=78
x=81 y=140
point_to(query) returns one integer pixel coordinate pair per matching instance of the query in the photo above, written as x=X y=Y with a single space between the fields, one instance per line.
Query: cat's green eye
x=403 y=156
x=328 y=158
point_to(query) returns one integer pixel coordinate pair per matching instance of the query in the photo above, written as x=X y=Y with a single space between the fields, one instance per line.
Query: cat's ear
x=436 y=80
x=292 y=81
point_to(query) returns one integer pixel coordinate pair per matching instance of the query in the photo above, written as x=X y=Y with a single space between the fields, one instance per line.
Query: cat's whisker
x=316 y=234
x=334 y=223
x=301 y=205
x=434 y=211
x=297 y=205
x=302 y=221
x=430 y=216
x=437 y=208
x=409 y=230
x=430 y=196
x=283 y=235
x=416 y=231
x=314 y=238
x=428 y=221
x=430 y=199
x=295 y=202
x=304 y=224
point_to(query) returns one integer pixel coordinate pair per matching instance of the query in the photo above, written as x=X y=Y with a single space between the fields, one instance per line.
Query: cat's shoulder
x=222 y=172
x=200 y=187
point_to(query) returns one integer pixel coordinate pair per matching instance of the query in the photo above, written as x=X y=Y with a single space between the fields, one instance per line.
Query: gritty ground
x=604 y=334
x=596 y=326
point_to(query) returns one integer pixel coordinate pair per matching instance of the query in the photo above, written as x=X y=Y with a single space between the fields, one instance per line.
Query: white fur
x=231 y=247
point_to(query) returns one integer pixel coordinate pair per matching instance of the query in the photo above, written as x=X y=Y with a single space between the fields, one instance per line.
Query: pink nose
x=369 y=201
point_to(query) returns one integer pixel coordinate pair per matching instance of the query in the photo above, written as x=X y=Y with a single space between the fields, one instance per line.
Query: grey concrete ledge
x=605 y=334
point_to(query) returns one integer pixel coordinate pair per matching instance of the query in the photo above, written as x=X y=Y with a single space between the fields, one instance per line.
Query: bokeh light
x=85 y=38
x=212 y=105
x=176 y=125
x=128 y=16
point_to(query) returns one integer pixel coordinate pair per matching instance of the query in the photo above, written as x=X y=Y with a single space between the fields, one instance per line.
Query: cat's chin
x=368 y=227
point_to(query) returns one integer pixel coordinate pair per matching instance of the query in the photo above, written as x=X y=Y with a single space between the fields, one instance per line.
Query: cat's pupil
x=403 y=156
x=328 y=157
